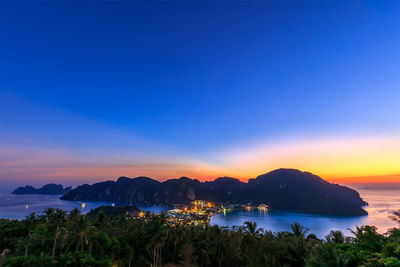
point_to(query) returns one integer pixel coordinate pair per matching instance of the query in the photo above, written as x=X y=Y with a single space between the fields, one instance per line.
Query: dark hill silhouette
x=111 y=211
x=48 y=189
x=284 y=189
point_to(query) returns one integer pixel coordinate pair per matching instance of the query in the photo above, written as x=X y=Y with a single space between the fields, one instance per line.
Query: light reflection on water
x=381 y=203
x=281 y=220
x=19 y=206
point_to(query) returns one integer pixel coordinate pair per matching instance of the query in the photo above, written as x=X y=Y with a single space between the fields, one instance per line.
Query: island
x=48 y=189
x=281 y=189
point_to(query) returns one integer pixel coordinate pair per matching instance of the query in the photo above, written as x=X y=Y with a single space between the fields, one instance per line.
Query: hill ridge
x=284 y=189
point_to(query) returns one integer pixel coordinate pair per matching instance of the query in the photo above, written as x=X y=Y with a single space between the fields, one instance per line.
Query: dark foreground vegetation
x=58 y=238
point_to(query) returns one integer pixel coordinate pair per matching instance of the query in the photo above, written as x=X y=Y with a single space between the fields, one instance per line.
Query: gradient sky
x=94 y=90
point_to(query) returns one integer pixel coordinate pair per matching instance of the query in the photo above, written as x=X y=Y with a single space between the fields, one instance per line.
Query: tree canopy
x=58 y=238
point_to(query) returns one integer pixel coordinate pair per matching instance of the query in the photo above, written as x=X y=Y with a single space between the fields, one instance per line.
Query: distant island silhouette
x=48 y=189
x=281 y=189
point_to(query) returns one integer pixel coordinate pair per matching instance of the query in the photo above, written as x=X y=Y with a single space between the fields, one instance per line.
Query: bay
x=382 y=201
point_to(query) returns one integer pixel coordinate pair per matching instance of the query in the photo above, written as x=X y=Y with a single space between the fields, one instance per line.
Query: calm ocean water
x=382 y=201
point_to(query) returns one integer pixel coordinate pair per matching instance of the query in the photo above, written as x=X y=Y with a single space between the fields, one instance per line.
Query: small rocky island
x=48 y=189
x=282 y=189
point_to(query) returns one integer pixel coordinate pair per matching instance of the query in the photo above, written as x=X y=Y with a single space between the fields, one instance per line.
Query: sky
x=94 y=90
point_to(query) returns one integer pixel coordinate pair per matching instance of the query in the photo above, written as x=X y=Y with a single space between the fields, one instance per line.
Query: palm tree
x=329 y=255
x=31 y=221
x=48 y=214
x=251 y=229
x=138 y=237
x=101 y=220
x=336 y=237
x=251 y=236
x=298 y=246
x=367 y=237
x=298 y=230
x=219 y=244
x=74 y=214
x=267 y=255
x=80 y=233
x=60 y=219
x=176 y=235
x=126 y=251
x=201 y=242
x=65 y=235
x=156 y=236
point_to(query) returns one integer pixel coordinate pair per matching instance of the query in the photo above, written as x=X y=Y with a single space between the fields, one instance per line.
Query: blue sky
x=177 y=81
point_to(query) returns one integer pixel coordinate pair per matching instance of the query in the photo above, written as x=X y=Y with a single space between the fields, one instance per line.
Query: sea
x=383 y=199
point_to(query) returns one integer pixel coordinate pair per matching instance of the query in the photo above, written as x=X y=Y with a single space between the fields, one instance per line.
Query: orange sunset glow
x=340 y=160
x=199 y=133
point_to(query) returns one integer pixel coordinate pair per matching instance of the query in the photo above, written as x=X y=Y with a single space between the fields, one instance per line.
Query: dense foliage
x=111 y=211
x=58 y=238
